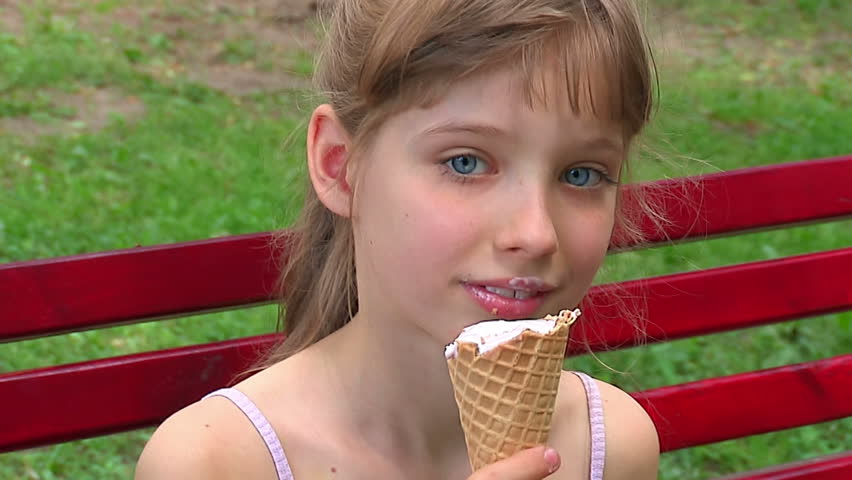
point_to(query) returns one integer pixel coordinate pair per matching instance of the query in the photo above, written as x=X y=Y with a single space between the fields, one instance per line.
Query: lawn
x=127 y=123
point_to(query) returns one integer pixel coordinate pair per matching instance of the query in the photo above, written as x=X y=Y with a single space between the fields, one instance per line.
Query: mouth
x=510 y=293
x=511 y=299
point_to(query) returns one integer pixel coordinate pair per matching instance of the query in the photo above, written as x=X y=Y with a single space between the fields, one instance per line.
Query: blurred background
x=142 y=122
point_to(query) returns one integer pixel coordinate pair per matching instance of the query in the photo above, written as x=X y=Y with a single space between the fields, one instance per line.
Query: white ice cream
x=489 y=334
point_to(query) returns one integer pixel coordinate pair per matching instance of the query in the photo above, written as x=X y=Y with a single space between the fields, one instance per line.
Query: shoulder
x=210 y=439
x=183 y=446
x=632 y=446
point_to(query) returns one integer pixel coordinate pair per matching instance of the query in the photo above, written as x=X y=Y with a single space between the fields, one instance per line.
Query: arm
x=632 y=446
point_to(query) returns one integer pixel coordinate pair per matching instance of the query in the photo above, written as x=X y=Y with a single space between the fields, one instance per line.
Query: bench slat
x=123 y=393
x=115 y=394
x=716 y=300
x=66 y=294
x=60 y=295
x=829 y=467
x=680 y=305
x=722 y=408
x=789 y=193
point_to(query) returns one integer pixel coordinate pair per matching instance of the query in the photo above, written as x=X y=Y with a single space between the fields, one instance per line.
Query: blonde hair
x=382 y=56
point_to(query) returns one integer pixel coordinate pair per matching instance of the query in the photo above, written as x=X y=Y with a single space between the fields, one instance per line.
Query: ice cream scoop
x=505 y=377
x=489 y=334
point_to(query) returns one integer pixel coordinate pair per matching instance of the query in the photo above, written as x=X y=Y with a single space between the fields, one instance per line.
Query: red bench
x=60 y=295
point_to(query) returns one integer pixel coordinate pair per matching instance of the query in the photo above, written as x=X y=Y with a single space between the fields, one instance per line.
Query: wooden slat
x=88 y=291
x=134 y=391
x=81 y=400
x=830 y=467
x=717 y=409
x=678 y=305
x=749 y=199
x=716 y=300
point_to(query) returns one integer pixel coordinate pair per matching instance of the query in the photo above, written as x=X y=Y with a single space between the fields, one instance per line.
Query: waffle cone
x=506 y=396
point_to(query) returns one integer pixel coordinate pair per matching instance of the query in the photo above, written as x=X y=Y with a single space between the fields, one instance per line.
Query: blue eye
x=583 y=177
x=466 y=164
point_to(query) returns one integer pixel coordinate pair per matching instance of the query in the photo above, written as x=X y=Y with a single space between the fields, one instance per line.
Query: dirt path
x=239 y=47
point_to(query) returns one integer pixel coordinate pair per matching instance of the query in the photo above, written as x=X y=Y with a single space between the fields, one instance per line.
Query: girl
x=466 y=166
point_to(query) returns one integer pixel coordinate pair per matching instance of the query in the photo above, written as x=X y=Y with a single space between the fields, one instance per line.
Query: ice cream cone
x=506 y=395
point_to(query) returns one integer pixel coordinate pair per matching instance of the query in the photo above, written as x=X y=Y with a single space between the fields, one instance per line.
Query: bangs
x=593 y=55
x=593 y=70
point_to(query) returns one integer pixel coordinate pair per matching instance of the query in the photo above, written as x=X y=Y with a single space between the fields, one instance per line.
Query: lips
x=511 y=299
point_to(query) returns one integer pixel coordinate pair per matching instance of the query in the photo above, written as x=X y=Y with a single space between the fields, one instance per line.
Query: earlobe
x=328 y=147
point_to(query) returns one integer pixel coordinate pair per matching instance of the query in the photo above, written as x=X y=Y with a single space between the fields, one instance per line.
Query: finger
x=531 y=464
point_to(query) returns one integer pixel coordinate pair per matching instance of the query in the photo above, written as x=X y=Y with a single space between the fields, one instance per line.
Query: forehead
x=541 y=103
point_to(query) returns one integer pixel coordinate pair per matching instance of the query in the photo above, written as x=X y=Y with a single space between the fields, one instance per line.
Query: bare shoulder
x=633 y=448
x=210 y=439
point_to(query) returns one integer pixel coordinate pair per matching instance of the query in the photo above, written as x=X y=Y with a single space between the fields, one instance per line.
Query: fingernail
x=552 y=460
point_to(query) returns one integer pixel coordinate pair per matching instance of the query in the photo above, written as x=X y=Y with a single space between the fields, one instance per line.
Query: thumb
x=531 y=464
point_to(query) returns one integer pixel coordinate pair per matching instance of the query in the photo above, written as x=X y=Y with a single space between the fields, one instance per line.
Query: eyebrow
x=454 y=126
x=601 y=143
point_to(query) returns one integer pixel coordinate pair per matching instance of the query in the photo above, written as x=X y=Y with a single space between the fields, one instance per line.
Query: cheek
x=411 y=231
x=586 y=247
x=433 y=233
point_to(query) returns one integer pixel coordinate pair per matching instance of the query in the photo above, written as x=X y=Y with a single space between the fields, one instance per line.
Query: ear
x=328 y=147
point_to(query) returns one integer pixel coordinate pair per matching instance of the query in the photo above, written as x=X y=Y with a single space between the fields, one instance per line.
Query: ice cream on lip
x=489 y=334
x=529 y=283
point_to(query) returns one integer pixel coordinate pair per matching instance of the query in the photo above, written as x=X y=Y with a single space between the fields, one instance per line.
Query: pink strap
x=596 y=423
x=282 y=467
x=263 y=427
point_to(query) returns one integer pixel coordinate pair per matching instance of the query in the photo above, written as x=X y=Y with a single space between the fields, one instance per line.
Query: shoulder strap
x=596 y=423
x=263 y=427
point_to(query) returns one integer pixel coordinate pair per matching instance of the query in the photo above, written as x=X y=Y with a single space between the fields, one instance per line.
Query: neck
x=400 y=397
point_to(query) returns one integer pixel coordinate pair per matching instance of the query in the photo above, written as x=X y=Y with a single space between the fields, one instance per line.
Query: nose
x=526 y=228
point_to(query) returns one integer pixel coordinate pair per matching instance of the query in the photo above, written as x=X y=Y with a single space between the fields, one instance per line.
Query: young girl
x=466 y=166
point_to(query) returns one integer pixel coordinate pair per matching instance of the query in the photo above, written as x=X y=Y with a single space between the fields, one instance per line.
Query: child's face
x=478 y=191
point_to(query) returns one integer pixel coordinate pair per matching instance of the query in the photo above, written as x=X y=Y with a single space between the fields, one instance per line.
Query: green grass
x=763 y=17
x=200 y=163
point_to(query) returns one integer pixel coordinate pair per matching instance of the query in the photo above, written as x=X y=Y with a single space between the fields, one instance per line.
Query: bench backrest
x=61 y=295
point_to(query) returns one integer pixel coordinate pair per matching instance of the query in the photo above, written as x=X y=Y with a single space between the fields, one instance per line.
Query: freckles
x=591 y=240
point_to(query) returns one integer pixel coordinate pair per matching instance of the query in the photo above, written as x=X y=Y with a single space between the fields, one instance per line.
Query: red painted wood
x=134 y=391
x=59 y=295
x=830 y=467
x=716 y=300
x=754 y=198
x=69 y=402
x=716 y=409
x=88 y=291
x=679 y=305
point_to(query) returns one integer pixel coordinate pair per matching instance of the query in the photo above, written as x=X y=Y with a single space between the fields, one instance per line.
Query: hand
x=530 y=464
